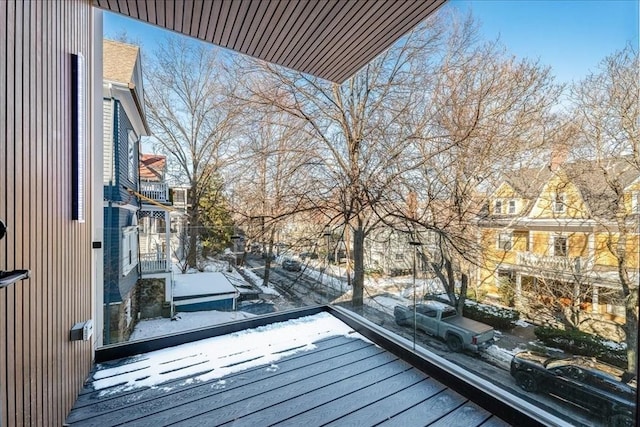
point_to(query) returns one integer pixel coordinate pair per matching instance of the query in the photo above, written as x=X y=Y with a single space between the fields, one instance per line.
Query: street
x=299 y=290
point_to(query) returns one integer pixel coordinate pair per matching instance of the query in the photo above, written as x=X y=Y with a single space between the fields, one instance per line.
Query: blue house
x=123 y=125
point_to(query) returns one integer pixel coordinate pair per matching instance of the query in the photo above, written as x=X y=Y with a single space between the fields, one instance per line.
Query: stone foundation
x=151 y=295
x=123 y=317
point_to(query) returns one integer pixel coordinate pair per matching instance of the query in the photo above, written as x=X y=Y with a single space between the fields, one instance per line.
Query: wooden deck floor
x=344 y=381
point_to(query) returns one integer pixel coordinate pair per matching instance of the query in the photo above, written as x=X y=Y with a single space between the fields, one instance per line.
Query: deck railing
x=153 y=263
x=158 y=191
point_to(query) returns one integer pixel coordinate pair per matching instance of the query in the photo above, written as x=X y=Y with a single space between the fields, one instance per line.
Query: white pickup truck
x=442 y=320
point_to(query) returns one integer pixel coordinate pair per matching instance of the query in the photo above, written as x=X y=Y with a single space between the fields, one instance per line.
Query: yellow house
x=553 y=239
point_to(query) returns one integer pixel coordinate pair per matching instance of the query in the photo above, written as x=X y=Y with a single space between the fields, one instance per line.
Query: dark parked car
x=310 y=255
x=291 y=265
x=602 y=389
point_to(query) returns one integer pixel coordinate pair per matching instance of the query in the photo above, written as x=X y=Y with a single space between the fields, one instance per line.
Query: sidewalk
x=518 y=337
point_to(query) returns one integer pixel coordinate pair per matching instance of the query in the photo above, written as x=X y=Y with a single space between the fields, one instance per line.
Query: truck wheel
x=454 y=343
x=401 y=321
x=526 y=382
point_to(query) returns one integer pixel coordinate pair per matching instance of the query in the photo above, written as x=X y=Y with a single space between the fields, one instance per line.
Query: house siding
x=116 y=285
x=41 y=371
x=589 y=262
x=117 y=154
x=121 y=135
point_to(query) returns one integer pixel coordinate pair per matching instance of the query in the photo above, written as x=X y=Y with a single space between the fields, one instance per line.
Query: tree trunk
x=192 y=250
x=267 y=262
x=358 y=267
x=464 y=285
x=631 y=330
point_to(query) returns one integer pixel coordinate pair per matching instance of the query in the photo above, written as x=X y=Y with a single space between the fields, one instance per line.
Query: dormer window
x=497 y=207
x=559 y=202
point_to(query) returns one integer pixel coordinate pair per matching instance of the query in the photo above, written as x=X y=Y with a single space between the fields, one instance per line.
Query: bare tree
x=485 y=112
x=191 y=120
x=607 y=111
x=273 y=176
x=359 y=131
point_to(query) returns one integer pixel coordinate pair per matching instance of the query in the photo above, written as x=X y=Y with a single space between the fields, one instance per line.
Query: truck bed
x=468 y=324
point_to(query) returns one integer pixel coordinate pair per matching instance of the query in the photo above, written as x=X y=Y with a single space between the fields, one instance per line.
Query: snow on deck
x=219 y=356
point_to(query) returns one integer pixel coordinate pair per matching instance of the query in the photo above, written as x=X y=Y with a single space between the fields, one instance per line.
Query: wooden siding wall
x=41 y=371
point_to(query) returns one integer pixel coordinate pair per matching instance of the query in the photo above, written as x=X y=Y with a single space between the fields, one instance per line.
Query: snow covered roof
x=204 y=283
x=305 y=367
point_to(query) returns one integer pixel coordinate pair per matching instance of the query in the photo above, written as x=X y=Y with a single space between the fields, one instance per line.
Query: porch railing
x=153 y=263
x=556 y=263
x=158 y=191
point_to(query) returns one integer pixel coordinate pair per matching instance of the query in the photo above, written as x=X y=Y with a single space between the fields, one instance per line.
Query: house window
x=635 y=196
x=559 y=202
x=399 y=257
x=505 y=240
x=497 y=207
x=560 y=247
x=179 y=196
x=611 y=303
x=129 y=249
x=512 y=207
x=133 y=159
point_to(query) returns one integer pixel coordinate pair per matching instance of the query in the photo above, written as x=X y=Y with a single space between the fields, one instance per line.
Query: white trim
x=129 y=249
x=123 y=94
x=96 y=147
x=550 y=223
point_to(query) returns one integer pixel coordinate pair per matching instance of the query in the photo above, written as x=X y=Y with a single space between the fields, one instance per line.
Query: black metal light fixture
x=9 y=277
x=78 y=140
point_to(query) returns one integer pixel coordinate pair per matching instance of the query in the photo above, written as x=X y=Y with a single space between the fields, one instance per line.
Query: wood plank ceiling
x=331 y=39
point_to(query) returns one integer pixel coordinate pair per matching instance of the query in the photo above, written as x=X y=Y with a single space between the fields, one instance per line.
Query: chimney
x=559 y=155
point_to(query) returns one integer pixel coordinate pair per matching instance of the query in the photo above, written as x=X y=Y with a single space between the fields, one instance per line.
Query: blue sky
x=571 y=36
